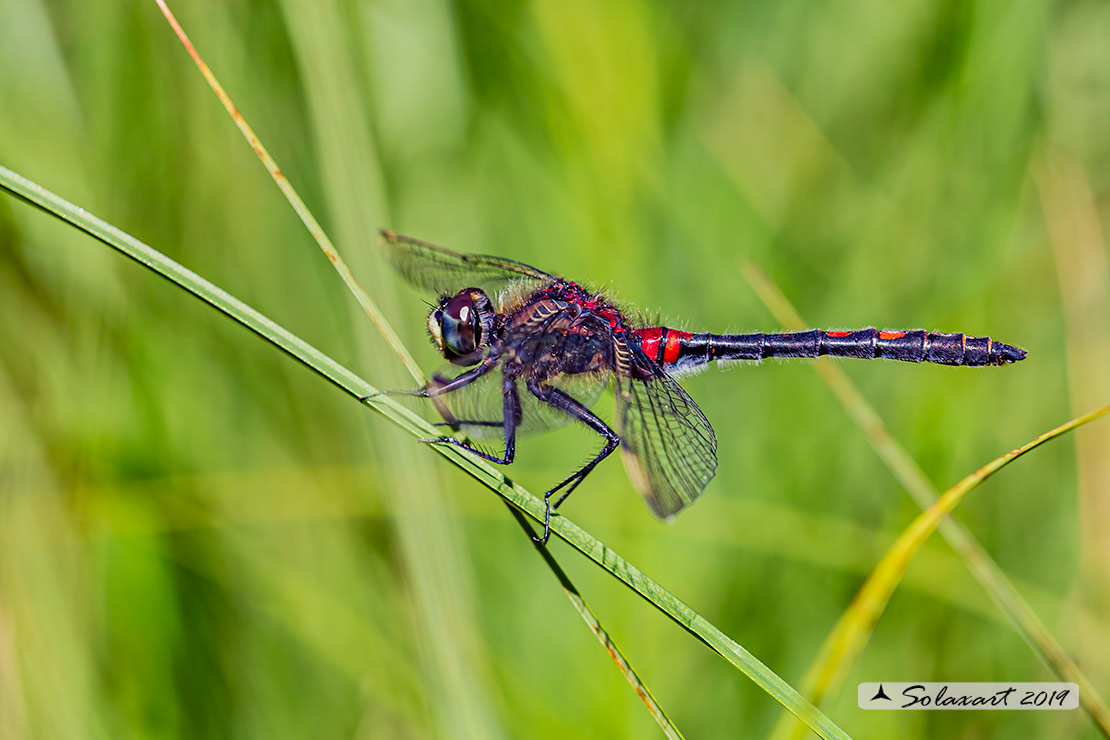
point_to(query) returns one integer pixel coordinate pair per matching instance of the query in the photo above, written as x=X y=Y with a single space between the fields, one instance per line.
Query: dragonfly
x=527 y=351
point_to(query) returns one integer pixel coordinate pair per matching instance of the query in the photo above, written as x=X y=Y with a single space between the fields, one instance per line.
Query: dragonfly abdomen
x=687 y=351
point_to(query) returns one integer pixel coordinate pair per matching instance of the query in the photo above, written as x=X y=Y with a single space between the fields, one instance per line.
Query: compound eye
x=460 y=328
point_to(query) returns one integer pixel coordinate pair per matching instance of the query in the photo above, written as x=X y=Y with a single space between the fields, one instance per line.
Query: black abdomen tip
x=1004 y=354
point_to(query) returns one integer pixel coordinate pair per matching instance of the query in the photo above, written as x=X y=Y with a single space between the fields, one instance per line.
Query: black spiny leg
x=511 y=411
x=456 y=423
x=566 y=403
x=440 y=385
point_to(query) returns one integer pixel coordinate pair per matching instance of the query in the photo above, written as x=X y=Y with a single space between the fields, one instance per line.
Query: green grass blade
x=477 y=468
x=1024 y=620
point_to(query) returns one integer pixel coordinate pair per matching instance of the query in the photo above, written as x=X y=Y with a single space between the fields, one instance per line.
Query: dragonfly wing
x=668 y=446
x=480 y=404
x=441 y=270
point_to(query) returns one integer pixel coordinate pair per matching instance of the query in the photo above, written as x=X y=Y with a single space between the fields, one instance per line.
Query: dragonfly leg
x=568 y=404
x=439 y=385
x=510 y=422
x=455 y=423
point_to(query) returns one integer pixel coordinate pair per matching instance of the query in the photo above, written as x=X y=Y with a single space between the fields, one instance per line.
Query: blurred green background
x=199 y=538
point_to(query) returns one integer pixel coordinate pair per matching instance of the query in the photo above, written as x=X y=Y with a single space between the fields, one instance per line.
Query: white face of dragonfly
x=460 y=326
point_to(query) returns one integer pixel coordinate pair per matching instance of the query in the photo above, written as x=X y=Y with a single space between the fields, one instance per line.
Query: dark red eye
x=460 y=327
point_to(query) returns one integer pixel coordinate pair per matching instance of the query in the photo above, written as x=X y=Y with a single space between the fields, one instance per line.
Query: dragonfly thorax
x=460 y=326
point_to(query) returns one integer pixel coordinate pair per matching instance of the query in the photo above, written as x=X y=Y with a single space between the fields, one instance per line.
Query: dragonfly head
x=460 y=326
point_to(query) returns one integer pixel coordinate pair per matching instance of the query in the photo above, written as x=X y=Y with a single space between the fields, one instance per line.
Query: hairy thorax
x=559 y=333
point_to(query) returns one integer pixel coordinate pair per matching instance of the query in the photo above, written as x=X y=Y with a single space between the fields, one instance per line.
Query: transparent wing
x=546 y=340
x=440 y=270
x=478 y=407
x=668 y=446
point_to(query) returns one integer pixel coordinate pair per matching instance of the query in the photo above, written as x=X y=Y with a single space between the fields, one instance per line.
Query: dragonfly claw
x=542 y=539
x=441 y=441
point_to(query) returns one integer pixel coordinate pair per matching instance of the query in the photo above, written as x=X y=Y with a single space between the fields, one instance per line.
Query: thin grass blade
x=294 y=199
x=603 y=637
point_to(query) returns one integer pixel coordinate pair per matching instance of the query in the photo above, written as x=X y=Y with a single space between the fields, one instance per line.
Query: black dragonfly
x=529 y=350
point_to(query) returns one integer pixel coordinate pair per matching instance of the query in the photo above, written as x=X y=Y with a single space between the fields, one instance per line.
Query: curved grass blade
x=1024 y=620
x=474 y=466
x=854 y=628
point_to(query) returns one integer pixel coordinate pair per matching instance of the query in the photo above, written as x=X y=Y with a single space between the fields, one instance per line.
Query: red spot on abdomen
x=649 y=341
x=838 y=333
x=674 y=345
x=888 y=335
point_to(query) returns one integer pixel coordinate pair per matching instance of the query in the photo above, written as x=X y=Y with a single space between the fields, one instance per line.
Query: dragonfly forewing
x=435 y=268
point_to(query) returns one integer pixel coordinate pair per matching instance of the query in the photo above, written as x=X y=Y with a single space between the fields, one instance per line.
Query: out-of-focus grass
x=890 y=166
